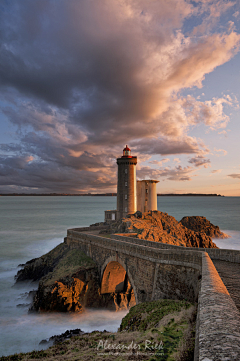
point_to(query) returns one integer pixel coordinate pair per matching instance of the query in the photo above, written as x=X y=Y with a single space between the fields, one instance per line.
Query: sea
x=30 y=226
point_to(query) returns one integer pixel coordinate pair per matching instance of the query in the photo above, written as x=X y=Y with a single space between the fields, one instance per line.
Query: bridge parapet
x=229 y=255
x=180 y=256
x=218 y=319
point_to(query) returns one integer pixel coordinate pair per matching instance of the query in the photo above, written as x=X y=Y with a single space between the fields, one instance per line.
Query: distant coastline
x=59 y=194
x=103 y=195
x=190 y=195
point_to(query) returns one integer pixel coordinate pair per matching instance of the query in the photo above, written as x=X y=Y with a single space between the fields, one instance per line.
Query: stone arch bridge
x=153 y=273
x=157 y=270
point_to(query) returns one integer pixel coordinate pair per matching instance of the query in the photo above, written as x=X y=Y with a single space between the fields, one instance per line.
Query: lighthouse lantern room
x=126 y=152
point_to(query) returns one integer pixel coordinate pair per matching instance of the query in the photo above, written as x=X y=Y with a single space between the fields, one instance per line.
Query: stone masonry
x=156 y=270
x=152 y=274
x=126 y=194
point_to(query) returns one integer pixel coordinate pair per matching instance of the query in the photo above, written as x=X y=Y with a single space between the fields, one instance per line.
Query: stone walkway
x=230 y=275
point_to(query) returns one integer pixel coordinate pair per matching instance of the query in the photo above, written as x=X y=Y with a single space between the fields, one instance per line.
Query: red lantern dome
x=126 y=152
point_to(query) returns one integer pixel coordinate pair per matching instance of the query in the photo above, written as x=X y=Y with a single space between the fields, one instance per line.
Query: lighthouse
x=132 y=195
x=126 y=186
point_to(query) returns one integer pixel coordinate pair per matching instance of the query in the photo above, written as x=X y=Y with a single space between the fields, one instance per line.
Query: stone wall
x=176 y=282
x=126 y=187
x=218 y=319
x=221 y=254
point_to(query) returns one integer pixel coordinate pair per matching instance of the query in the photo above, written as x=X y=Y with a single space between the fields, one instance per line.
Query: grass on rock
x=158 y=331
x=68 y=265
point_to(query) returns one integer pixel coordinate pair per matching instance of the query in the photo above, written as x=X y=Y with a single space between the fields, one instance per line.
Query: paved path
x=230 y=275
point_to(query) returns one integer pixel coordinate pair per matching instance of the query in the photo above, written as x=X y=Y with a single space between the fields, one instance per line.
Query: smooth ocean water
x=32 y=226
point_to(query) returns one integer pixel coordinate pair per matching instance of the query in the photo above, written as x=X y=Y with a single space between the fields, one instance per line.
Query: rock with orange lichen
x=160 y=227
x=201 y=224
x=76 y=292
x=69 y=294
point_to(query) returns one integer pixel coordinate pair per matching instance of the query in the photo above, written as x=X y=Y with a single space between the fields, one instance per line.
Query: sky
x=80 y=79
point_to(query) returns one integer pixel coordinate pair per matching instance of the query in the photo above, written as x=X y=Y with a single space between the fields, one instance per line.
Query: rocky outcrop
x=202 y=225
x=77 y=292
x=71 y=293
x=62 y=337
x=124 y=300
x=70 y=283
x=37 y=268
x=160 y=227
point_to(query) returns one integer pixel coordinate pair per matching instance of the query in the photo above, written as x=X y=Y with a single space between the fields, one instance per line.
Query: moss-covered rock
x=37 y=268
x=72 y=285
x=147 y=315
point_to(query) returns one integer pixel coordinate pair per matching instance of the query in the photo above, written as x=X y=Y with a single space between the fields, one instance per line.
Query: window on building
x=125 y=196
x=126 y=170
x=125 y=184
x=125 y=209
x=146 y=191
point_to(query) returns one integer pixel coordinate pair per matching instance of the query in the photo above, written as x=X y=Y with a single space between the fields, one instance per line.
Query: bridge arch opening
x=114 y=278
x=115 y=281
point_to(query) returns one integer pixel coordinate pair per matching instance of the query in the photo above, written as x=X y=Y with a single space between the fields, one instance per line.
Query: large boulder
x=202 y=225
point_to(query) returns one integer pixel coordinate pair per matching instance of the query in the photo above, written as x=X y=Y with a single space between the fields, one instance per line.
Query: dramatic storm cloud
x=80 y=79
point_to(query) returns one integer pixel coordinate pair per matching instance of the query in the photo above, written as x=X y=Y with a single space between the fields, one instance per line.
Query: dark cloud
x=16 y=173
x=79 y=79
x=234 y=175
x=11 y=147
x=177 y=173
x=200 y=160
x=167 y=146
